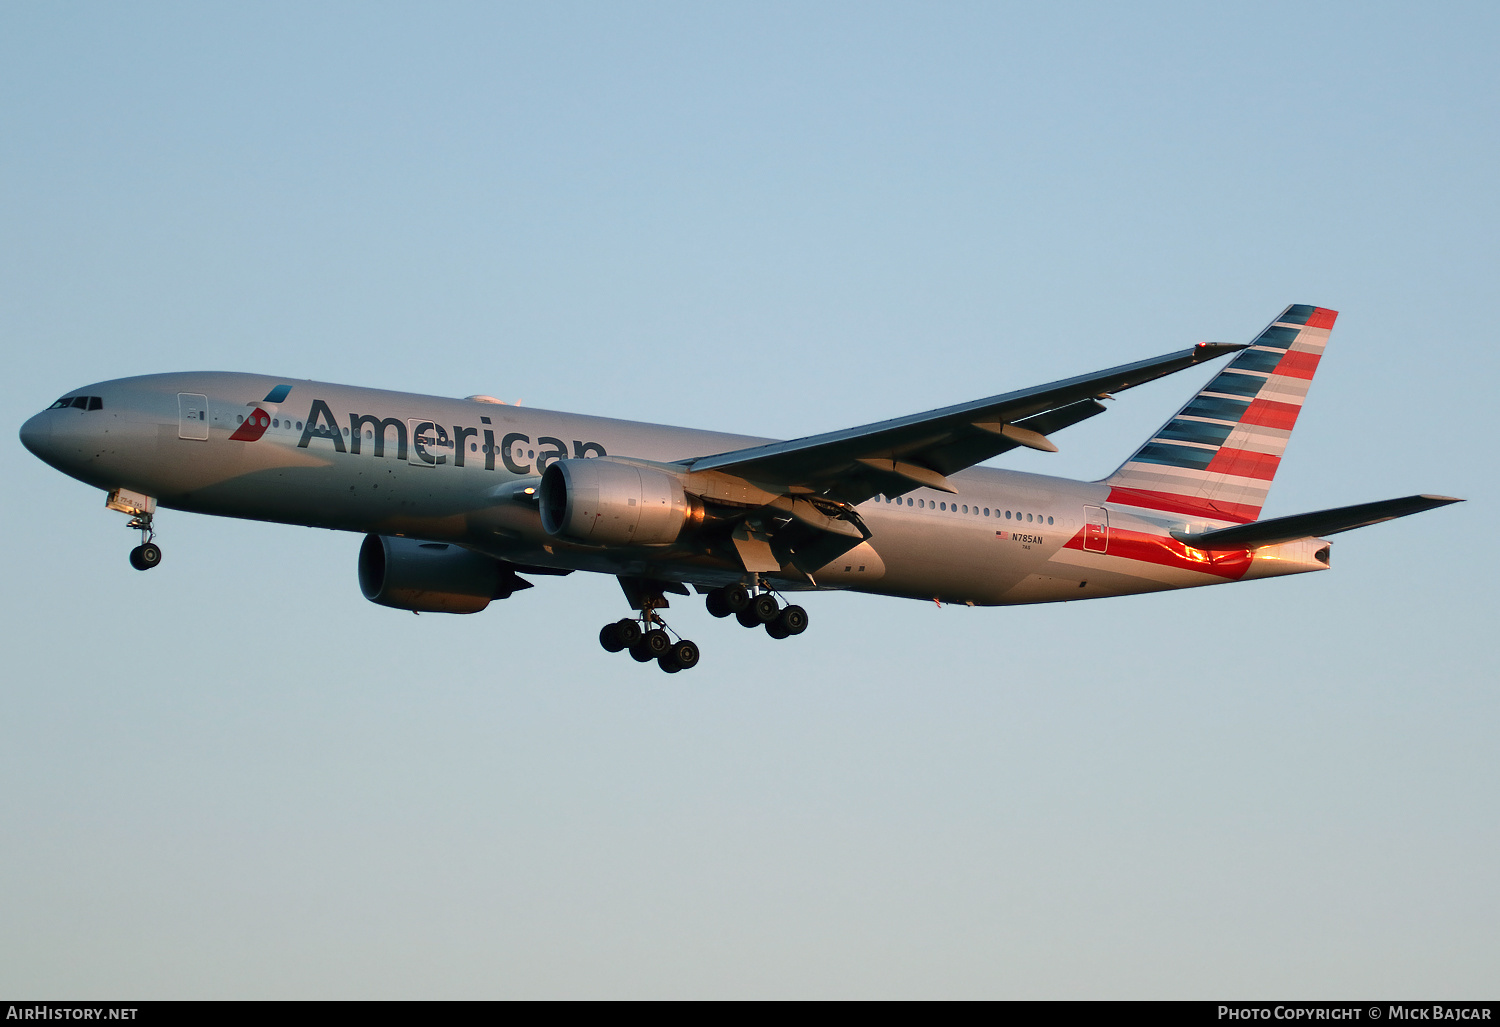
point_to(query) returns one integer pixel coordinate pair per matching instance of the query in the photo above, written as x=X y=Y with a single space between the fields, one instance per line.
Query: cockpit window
x=79 y=402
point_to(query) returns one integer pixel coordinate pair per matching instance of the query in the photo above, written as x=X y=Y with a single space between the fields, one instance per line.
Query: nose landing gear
x=141 y=508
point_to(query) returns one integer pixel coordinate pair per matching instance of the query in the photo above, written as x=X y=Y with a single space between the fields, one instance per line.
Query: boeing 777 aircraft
x=460 y=498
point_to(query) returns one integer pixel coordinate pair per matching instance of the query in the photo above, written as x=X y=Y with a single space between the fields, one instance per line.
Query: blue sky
x=235 y=777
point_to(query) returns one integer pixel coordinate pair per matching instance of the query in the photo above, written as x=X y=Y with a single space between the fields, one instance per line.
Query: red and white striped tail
x=1216 y=458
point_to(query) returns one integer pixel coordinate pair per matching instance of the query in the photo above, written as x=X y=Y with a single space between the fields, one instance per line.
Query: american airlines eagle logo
x=258 y=421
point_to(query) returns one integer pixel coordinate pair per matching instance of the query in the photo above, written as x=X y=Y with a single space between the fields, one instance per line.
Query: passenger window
x=1028 y=518
x=922 y=503
x=1049 y=520
x=986 y=511
x=1007 y=515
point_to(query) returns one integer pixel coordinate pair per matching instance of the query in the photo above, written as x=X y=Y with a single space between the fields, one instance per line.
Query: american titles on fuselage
x=428 y=442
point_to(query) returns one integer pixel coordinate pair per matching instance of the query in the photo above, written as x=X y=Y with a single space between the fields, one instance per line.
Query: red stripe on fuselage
x=1171 y=502
x=1165 y=551
x=254 y=427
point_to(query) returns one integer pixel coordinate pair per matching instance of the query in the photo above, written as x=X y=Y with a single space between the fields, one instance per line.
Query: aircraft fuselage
x=459 y=471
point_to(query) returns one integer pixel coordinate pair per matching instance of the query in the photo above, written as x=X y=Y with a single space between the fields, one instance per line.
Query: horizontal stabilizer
x=1323 y=522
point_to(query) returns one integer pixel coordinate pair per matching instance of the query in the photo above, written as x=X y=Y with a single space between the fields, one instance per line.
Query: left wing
x=919 y=450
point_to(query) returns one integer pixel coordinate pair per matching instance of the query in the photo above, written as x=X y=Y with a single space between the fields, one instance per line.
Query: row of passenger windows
x=947 y=507
x=78 y=402
x=274 y=422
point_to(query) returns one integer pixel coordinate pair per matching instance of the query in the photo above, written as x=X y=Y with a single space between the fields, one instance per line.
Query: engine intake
x=431 y=577
x=605 y=502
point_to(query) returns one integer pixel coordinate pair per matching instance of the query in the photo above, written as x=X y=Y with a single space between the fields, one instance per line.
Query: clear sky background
x=235 y=777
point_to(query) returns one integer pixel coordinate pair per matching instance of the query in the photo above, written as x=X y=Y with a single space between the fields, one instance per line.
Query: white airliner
x=459 y=498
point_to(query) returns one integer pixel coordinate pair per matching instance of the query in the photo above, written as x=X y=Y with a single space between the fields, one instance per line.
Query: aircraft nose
x=36 y=435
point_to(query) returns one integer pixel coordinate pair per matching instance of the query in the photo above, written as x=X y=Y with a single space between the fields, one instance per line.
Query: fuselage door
x=429 y=443
x=1095 y=529
x=192 y=416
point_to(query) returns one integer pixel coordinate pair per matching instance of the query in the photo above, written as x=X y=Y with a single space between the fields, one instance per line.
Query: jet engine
x=605 y=502
x=431 y=577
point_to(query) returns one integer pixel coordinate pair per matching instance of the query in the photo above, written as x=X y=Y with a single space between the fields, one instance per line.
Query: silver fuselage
x=457 y=471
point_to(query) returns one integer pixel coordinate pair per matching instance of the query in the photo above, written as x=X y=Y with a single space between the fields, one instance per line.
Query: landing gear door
x=1095 y=529
x=192 y=416
x=429 y=443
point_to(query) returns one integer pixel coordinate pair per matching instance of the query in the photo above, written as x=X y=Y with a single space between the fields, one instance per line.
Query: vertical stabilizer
x=1216 y=458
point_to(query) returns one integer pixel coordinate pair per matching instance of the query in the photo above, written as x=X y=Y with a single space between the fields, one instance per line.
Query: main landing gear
x=648 y=639
x=754 y=610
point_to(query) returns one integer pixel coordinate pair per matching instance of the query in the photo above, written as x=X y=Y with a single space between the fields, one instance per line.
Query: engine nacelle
x=431 y=577
x=605 y=502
